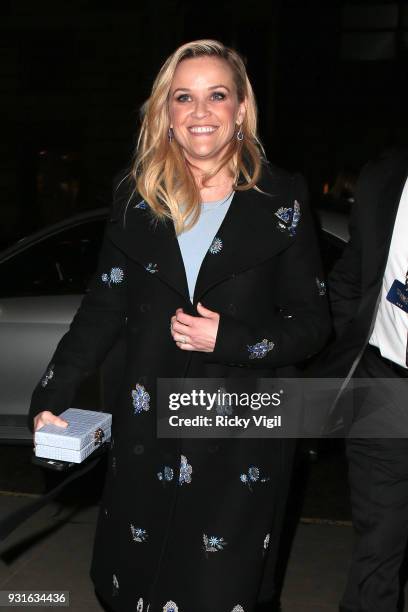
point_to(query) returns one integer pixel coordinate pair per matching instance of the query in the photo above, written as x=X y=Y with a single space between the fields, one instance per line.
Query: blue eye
x=183 y=98
x=218 y=95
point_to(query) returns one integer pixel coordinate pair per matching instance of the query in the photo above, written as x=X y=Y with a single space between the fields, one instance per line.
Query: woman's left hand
x=195 y=333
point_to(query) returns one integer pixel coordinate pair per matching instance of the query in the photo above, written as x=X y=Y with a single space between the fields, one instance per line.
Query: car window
x=60 y=264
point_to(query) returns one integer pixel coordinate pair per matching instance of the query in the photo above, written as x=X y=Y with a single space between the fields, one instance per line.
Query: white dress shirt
x=391 y=323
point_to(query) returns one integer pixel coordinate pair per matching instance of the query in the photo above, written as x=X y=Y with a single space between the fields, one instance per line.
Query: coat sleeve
x=344 y=282
x=94 y=329
x=302 y=325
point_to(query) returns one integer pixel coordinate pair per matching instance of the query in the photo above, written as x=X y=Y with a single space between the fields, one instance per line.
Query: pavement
x=52 y=551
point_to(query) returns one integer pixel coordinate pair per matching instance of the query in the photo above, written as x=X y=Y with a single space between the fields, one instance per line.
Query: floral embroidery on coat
x=216 y=246
x=139 y=607
x=224 y=406
x=260 y=349
x=138 y=534
x=213 y=544
x=141 y=399
x=166 y=474
x=47 y=376
x=321 y=286
x=152 y=268
x=185 y=471
x=141 y=205
x=266 y=541
x=115 y=585
x=170 y=606
x=252 y=476
x=115 y=276
x=289 y=218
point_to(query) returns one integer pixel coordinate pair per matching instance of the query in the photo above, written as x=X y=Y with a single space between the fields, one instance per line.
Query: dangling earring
x=170 y=134
x=240 y=134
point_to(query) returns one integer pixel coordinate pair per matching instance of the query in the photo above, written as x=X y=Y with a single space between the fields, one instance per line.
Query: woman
x=210 y=268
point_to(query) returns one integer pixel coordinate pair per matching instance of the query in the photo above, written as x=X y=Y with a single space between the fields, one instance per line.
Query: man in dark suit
x=369 y=297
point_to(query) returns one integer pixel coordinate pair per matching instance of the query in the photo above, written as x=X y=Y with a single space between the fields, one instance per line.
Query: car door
x=41 y=287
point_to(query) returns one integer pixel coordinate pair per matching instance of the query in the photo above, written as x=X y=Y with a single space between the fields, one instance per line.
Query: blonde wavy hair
x=160 y=171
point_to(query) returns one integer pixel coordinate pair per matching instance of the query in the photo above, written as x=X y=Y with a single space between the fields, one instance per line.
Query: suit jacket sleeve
x=303 y=323
x=344 y=282
x=93 y=331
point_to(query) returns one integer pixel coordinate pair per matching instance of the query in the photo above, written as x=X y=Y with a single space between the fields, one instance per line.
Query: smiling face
x=204 y=109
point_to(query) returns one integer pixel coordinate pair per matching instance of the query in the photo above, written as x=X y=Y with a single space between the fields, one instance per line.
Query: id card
x=398 y=295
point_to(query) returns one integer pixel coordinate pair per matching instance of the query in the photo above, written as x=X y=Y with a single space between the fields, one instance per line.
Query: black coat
x=356 y=280
x=264 y=283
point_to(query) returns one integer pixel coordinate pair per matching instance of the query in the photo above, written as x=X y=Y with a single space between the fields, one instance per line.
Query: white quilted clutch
x=86 y=431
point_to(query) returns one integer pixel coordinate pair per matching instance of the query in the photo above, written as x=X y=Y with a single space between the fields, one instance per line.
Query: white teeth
x=202 y=130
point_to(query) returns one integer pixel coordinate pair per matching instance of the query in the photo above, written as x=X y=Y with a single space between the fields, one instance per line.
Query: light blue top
x=195 y=242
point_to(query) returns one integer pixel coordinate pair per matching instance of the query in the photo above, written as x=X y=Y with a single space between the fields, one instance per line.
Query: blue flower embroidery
x=170 y=606
x=152 y=268
x=115 y=276
x=253 y=473
x=321 y=286
x=213 y=544
x=296 y=218
x=284 y=214
x=216 y=246
x=252 y=476
x=115 y=585
x=224 y=407
x=47 y=376
x=166 y=474
x=141 y=399
x=138 y=534
x=141 y=205
x=260 y=349
x=289 y=218
x=185 y=471
x=266 y=540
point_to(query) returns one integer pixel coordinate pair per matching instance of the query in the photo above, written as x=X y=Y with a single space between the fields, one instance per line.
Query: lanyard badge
x=398 y=294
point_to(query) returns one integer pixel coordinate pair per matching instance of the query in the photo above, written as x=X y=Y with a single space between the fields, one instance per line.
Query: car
x=43 y=279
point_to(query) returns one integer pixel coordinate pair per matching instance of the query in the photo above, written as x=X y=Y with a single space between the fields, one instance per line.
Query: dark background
x=330 y=79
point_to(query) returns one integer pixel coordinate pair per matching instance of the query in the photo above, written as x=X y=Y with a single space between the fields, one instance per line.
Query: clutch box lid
x=84 y=426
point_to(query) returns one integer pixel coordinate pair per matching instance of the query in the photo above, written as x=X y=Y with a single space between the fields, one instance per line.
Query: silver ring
x=183 y=340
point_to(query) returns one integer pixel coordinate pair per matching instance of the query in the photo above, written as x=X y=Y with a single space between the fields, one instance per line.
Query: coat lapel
x=153 y=244
x=248 y=236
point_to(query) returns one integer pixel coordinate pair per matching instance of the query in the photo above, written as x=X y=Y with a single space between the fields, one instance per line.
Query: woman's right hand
x=46 y=417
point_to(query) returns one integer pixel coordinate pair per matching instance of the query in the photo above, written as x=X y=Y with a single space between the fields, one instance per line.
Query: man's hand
x=195 y=333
